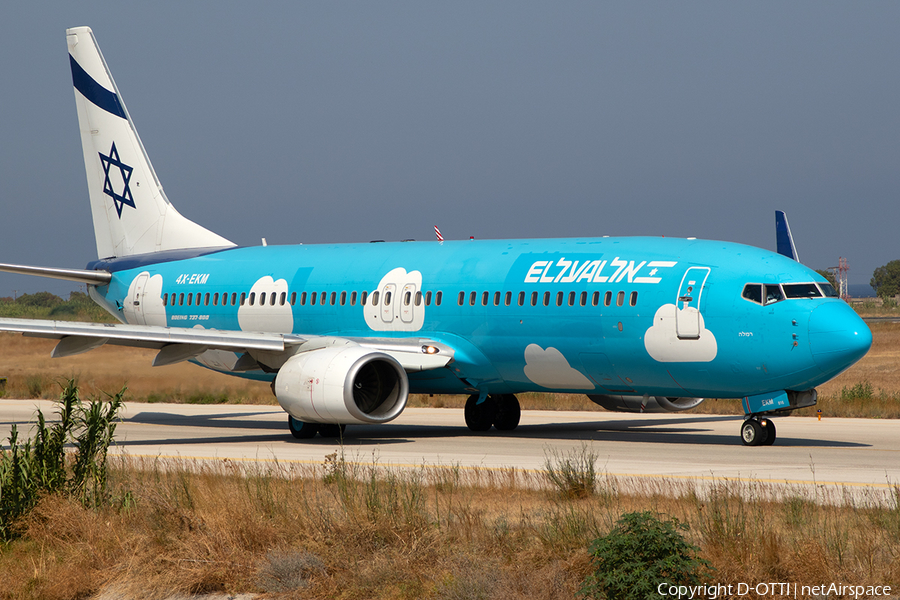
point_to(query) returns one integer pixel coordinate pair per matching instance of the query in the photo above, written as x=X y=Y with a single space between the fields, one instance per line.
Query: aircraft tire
x=752 y=433
x=508 y=414
x=480 y=417
x=332 y=430
x=302 y=430
x=770 y=433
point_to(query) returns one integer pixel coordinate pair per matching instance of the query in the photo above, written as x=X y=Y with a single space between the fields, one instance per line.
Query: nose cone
x=837 y=337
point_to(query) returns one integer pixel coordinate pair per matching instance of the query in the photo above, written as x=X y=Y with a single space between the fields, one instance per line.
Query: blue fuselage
x=658 y=316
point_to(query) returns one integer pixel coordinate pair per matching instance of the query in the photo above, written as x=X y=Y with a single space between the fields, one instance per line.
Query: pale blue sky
x=334 y=121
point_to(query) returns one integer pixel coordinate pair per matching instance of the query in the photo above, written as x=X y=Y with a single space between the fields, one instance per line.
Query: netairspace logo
x=771 y=589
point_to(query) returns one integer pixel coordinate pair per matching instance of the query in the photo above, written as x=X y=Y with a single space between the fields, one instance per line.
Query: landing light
x=430 y=349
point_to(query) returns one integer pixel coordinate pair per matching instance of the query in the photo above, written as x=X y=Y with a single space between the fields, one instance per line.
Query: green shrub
x=39 y=466
x=861 y=391
x=640 y=553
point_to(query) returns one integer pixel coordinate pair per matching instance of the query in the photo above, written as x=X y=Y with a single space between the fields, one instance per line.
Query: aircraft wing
x=176 y=344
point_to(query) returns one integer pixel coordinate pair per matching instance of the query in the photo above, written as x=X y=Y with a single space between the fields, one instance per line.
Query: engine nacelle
x=647 y=404
x=347 y=384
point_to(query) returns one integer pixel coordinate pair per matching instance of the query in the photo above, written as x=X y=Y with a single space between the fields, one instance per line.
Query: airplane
x=345 y=332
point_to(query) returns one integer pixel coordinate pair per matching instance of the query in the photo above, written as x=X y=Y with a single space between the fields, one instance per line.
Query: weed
x=285 y=571
x=39 y=467
x=573 y=474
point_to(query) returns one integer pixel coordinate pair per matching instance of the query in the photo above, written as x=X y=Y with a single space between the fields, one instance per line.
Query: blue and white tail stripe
x=93 y=91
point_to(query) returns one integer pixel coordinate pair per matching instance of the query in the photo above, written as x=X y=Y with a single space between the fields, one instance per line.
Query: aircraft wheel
x=752 y=433
x=480 y=417
x=769 y=426
x=508 y=414
x=332 y=430
x=301 y=429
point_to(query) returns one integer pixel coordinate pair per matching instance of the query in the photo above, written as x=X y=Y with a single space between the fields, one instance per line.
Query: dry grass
x=358 y=531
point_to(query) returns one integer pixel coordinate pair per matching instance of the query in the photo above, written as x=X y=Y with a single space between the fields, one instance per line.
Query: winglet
x=783 y=236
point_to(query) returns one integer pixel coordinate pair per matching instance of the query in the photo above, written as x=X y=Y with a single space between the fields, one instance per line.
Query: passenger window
x=584 y=298
x=559 y=298
x=323 y=297
x=633 y=299
x=418 y=298
x=801 y=290
x=190 y=299
x=353 y=298
x=313 y=298
x=521 y=298
x=571 y=298
x=534 y=297
x=262 y=299
x=165 y=299
x=484 y=298
x=363 y=297
x=293 y=298
x=407 y=298
x=243 y=298
x=206 y=299
x=462 y=298
x=233 y=298
x=473 y=296
x=181 y=299
x=773 y=294
x=595 y=299
x=620 y=298
x=252 y=298
x=427 y=298
x=607 y=299
x=753 y=293
x=437 y=298
x=508 y=299
x=496 y=298
x=387 y=298
x=375 y=298
x=303 y=299
x=546 y=298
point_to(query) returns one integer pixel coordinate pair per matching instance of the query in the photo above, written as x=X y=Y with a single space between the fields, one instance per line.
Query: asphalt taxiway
x=861 y=454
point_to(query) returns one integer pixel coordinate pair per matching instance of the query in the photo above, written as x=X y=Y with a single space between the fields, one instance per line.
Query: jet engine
x=646 y=404
x=347 y=384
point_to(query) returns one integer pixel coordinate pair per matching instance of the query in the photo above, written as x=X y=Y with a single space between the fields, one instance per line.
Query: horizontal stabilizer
x=79 y=275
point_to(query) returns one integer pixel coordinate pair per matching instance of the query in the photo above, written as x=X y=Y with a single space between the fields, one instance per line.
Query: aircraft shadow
x=659 y=430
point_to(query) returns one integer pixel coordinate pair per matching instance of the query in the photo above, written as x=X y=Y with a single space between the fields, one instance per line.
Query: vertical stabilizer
x=131 y=212
x=783 y=238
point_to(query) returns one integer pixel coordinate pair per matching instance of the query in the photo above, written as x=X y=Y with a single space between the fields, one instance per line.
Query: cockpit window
x=753 y=292
x=773 y=293
x=828 y=290
x=801 y=290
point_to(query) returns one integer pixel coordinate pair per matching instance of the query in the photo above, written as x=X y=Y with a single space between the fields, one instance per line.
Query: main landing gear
x=498 y=410
x=758 y=431
x=304 y=431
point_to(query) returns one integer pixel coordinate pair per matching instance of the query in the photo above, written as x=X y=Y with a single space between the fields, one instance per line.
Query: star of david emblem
x=125 y=198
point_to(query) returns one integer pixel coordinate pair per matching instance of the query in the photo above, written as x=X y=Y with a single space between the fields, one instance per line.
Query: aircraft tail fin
x=130 y=210
x=784 y=239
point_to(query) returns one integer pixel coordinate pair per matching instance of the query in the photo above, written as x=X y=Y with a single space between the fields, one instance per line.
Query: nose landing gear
x=757 y=431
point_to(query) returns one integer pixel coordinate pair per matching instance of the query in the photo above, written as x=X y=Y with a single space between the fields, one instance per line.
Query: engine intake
x=347 y=384
x=646 y=404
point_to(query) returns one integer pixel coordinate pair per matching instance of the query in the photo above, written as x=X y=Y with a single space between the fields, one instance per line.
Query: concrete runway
x=860 y=454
